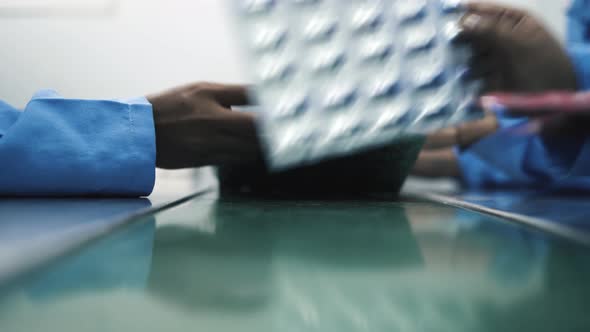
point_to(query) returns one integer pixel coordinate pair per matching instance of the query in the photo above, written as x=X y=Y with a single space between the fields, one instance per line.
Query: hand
x=437 y=163
x=438 y=158
x=514 y=52
x=463 y=135
x=195 y=126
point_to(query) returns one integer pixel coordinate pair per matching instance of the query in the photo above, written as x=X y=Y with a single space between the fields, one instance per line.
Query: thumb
x=489 y=24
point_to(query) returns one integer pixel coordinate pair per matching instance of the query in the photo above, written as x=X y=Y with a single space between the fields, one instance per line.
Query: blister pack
x=336 y=76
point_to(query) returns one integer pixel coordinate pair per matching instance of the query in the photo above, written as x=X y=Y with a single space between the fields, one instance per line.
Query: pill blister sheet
x=337 y=76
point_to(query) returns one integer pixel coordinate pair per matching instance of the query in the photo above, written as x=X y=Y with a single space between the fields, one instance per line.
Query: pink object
x=550 y=103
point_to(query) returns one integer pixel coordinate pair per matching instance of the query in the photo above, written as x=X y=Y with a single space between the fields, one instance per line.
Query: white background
x=139 y=47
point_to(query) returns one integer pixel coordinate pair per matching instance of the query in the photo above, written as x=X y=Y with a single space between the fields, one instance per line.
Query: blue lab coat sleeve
x=506 y=159
x=509 y=160
x=72 y=147
x=578 y=40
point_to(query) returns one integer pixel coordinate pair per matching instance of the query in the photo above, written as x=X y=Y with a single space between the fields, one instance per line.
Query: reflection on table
x=244 y=265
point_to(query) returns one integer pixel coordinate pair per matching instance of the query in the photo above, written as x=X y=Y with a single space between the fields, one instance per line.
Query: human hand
x=195 y=126
x=514 y=51
x=438 y=159
x=462 y=135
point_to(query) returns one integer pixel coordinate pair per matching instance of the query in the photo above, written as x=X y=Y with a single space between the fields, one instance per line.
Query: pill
x=338 y=97
x=257 y=6
x=410 y=10
x=292 y=105
x=384 y=87
x=429 y=77
x=276 y=71
x=320 y=29
x=420 y=39
x=348 y=129
x=437 y=110
x=306 y=2
x=270 y=39
x=395 y=114
x=399 y=121
x=328 y=61
x=376 y=50
x=367 y=19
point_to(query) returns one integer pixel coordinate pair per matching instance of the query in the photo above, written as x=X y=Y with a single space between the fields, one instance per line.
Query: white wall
x=146 y=46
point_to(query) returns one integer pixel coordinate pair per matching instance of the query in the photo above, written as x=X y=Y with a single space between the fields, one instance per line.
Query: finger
x=441 y=139
x=229 y=95
x=242 y=123
x=473 y=132
x=489 y=30
x=479 y=29
x=437 y=163
x=487 y=8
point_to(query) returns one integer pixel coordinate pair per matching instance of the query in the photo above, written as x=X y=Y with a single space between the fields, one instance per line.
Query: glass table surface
x=245 y=265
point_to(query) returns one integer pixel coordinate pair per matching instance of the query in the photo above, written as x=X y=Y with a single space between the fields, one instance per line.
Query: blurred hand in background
x=438 y=157
x=514 y=51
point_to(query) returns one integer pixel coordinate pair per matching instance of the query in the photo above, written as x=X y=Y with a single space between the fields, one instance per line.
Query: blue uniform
x=509 y=160
x=72 y=147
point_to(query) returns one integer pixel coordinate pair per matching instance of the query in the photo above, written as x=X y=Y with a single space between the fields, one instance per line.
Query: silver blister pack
x=336 y=76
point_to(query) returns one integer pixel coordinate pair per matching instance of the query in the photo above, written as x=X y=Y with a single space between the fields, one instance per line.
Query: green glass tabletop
x=245 y=265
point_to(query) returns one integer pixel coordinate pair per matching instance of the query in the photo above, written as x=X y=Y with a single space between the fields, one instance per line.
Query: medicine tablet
x=327 y=61
x=429 y=77
x=276 y=71
x=269 y=39
x=292 y=105
x=386 y=87
x=419 y=39
x=339 y=96
x=257 y=6
x=367 y=19
x=411 y=10
x=306 y=2
x=319 y=29
x=375 y=50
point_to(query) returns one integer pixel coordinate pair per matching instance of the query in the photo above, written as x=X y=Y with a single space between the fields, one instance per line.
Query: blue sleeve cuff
x=476 y=173
x=143 y=143
x=73 y=147
x=580 y=56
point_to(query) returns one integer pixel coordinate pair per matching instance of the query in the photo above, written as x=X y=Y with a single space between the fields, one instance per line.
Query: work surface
x=239 y=264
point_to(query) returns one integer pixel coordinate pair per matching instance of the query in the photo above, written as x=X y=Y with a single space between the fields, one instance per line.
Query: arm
x=515 y=53
x=72 y=147
x=578 y=39
x=65 y=147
